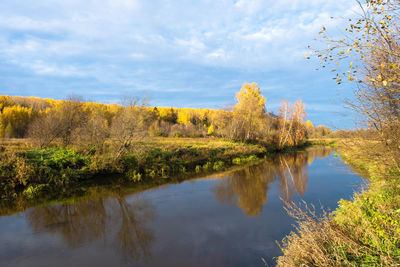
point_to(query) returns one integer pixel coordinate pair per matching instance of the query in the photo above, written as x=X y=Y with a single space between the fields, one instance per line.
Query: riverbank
x=32 y=171
x=31 y=176
x=364 y=231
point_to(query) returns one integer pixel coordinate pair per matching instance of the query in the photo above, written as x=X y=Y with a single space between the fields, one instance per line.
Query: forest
x=75 y=120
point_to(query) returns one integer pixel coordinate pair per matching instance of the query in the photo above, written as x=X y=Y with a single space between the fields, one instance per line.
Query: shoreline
x=364 y=230
x=37 y=194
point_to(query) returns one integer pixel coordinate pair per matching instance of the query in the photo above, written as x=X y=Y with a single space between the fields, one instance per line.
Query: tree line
x=74 y=121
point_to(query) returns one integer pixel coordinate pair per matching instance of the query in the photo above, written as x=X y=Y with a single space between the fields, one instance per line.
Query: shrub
x=58 y=165
x=219 y=165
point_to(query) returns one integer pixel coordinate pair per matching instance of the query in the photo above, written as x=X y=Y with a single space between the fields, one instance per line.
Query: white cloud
x=193 y=45
x=137 y=56
x=43 y=68
x=252 y=32
x=217 y=54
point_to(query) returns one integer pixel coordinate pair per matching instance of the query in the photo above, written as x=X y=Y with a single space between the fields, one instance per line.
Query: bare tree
x=59 y=122
x=372 y=41
x=291 y=128
x=95 y=129
x=132 y=122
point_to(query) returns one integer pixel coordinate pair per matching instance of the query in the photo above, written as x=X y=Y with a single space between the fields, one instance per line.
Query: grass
x=106 y=186
x=361 y=232
x=31 y=171
x=31 y=176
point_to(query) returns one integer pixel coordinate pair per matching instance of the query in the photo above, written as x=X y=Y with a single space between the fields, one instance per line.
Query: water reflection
x=122 y=223
x=248 y=188
x=116 y=222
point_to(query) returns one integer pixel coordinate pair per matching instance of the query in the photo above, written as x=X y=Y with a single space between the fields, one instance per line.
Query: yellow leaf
x=384 y=83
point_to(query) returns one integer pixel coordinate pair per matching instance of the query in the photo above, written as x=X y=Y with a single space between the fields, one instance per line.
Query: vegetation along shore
x=49 y=145
x=366 y=230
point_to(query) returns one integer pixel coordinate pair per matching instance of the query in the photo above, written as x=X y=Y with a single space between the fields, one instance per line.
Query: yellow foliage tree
x=210 y=130
x=184 y=116
x=248 y=112
x=16 y=119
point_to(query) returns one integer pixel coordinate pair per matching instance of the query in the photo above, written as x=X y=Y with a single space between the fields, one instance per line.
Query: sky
x=179 y=53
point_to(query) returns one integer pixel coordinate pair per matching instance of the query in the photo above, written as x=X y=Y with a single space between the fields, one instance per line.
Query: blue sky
x=181 y=53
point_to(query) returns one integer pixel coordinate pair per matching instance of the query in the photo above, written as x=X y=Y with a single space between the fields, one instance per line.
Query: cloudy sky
x=181 y=53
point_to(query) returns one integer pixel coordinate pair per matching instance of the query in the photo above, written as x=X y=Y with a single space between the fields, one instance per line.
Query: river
x=232 y=218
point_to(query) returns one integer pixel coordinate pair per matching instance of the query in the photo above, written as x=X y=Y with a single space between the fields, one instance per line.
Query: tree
x=2 y=130
x=9 y=131
x=132 y=122
x=291 y=128
x=71 y=116
x=248 y=113
x=309 y=128
x=371 y=42
x=18 y=118
x=298 y=117
x=285 y=126
x=44 y=129
x=59 y=122
x=210 y=130
x=95 y=129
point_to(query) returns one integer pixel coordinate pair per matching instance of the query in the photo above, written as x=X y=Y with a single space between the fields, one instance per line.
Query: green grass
x=29 y=170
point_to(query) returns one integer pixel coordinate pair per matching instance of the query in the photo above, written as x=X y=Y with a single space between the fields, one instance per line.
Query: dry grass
x=318 y=241
x=362 y=232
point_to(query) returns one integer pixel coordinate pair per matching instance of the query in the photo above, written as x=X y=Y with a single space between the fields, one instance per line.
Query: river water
x=228 y=219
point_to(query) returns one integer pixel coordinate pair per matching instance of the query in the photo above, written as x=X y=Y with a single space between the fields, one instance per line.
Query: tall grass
x=362 y=232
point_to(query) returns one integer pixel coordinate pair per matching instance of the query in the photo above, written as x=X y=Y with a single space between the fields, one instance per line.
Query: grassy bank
x=362 y=232
x=30 y=171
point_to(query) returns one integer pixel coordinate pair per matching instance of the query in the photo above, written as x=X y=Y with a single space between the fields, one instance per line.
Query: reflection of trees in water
x=91 y=220
x=291 y=171
x=134 y=236
x=247 y=188
x=318 y=152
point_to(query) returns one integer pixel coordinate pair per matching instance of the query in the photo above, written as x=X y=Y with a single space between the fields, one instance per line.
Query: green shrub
x=236 y=161
x=219 y=165
x=58 y=165
x=134 y=176
x=244 y=159
x=207 y=166
x=198 y=169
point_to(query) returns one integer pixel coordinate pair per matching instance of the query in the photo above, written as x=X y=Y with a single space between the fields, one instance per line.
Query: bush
x=15 y=171
x=244 y=159
x=219 y=165
x=58 y=165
